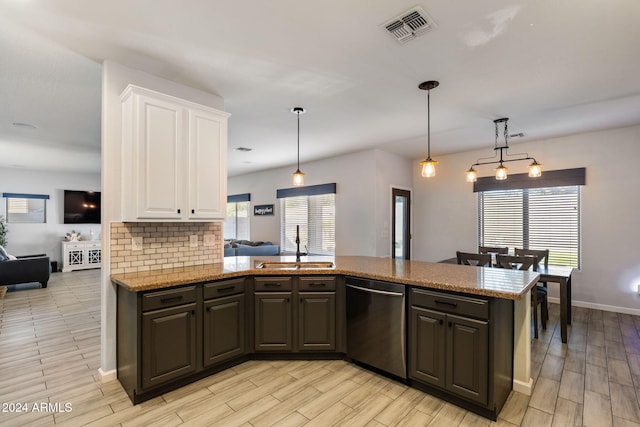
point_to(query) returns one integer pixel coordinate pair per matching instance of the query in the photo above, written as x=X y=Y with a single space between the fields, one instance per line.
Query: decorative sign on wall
x=261 y=210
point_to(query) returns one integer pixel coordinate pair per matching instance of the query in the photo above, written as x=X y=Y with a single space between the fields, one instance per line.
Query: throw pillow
x=3 y=254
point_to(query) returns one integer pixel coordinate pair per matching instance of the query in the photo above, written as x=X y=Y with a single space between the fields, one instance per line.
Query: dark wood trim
x=407 y=231
x=555 y=178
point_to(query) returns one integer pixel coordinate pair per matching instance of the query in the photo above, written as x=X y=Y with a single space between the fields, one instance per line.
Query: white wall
x=363 y=198
x=115 y=79
x=26 y=239
x=610 y=270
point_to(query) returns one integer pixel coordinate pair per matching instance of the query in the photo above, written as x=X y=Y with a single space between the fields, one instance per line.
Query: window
x=533 y=218
x=314 y=214
x=26 y=208
x=237 y=224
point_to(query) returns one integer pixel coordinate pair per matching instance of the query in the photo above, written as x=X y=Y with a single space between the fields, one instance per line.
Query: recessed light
x=243 y=149
x=24 y=125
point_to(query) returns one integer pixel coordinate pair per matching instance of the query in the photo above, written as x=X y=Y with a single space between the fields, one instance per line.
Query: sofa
x=249 y=248
x=25 y=269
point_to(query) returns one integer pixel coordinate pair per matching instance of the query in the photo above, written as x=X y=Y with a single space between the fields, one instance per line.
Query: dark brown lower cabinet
x=169 y=344
x=295 y=314
x=224 y=329
x=450 y=352
x=317 y=321
x=273 y=321
x=463 y=347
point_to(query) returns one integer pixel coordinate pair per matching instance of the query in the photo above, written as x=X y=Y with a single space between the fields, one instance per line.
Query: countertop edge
x=194 y=278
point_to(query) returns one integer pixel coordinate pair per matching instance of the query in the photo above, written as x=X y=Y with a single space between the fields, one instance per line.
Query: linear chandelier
x=535 y=168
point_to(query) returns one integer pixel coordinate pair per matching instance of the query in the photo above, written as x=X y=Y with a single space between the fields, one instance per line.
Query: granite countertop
x=493 y=282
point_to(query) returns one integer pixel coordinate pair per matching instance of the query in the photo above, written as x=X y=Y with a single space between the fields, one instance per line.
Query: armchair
x=25 y=269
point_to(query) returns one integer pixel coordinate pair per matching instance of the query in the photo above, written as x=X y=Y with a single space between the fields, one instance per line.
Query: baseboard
x=522 y=387
x=603 y=307
x=111 y=375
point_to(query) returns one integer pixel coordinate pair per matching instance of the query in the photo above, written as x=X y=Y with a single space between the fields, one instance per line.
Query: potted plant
x=3 y=231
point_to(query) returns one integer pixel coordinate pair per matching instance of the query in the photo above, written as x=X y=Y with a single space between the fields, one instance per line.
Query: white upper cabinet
x=173 y=158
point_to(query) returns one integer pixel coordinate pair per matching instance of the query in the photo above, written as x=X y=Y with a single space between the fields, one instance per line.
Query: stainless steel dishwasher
x=376 y=325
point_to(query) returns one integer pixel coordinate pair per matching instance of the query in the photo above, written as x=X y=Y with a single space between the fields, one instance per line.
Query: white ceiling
x=553 y=67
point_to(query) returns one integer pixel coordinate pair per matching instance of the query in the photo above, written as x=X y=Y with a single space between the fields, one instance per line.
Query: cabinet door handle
x=450 y=324
x=450 y=304
x=171 y=299
x=193 y=211
x=441 y=321
x=178 y=210
x=228 y=288
x=287 y=299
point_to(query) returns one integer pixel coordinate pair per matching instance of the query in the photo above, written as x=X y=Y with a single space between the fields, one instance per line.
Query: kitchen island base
x=459 y=345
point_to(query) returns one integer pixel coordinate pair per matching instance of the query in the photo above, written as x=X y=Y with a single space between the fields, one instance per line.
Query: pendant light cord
x=429 y=124
x=298 y=113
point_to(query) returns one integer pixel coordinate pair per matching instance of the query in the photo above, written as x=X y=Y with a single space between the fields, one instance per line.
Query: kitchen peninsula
x=178 y=325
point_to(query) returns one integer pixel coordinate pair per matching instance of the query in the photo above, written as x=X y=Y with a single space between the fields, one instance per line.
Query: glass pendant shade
x=472 y=175
x=535 y=169
x=428 y=168
x=501 y=172
x=298 y=178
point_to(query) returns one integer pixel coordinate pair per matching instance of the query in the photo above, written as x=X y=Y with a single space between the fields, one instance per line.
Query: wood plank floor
x=50 y=354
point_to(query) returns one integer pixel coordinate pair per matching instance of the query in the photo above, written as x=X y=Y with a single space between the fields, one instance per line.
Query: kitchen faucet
x=298 y=253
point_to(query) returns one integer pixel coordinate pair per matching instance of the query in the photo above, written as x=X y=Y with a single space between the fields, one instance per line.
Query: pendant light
x=535 y=168
x=298 y=176
x=428 y=164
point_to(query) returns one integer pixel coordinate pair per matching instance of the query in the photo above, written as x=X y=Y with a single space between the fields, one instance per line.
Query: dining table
x=560 y=274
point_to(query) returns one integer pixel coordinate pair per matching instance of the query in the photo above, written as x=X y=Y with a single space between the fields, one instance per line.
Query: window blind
x=237 y=224
x=315 y=215
x=533 y=218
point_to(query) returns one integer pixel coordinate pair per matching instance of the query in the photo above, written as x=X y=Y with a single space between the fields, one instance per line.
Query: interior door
x=401 y=224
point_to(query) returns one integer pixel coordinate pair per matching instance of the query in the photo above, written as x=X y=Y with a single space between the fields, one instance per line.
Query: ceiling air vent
x=409 y=25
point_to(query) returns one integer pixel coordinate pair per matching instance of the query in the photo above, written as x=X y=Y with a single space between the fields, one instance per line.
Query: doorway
x=401 y=224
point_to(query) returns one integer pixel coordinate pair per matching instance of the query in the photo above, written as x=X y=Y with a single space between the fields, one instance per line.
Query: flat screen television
x=81 y=207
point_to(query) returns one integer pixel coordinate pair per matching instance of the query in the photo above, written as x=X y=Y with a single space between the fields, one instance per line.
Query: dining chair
x=543 y=258
x=538 y=293
x=478 y=260
x=493 y=250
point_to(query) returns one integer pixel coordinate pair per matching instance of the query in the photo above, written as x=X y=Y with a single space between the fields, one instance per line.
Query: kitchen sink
x=293 y=265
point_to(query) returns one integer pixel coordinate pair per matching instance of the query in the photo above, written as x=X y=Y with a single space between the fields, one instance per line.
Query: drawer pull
x=322 y=285
x=171 y=299
x=450 y=304
x=228 y=288
x=272 y=284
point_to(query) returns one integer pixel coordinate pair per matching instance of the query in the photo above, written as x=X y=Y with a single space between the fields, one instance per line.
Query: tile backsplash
x=164 y=245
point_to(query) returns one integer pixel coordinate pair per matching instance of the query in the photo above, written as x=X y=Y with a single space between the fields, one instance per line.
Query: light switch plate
x=136 y=243
x=209 y=239
x=193 y=241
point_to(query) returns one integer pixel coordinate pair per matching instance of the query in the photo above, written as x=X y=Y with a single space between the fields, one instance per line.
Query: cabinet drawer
x=223 y=288
x=318 y=283
x=457 y=304
x=168 y=298
x=272 y=283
